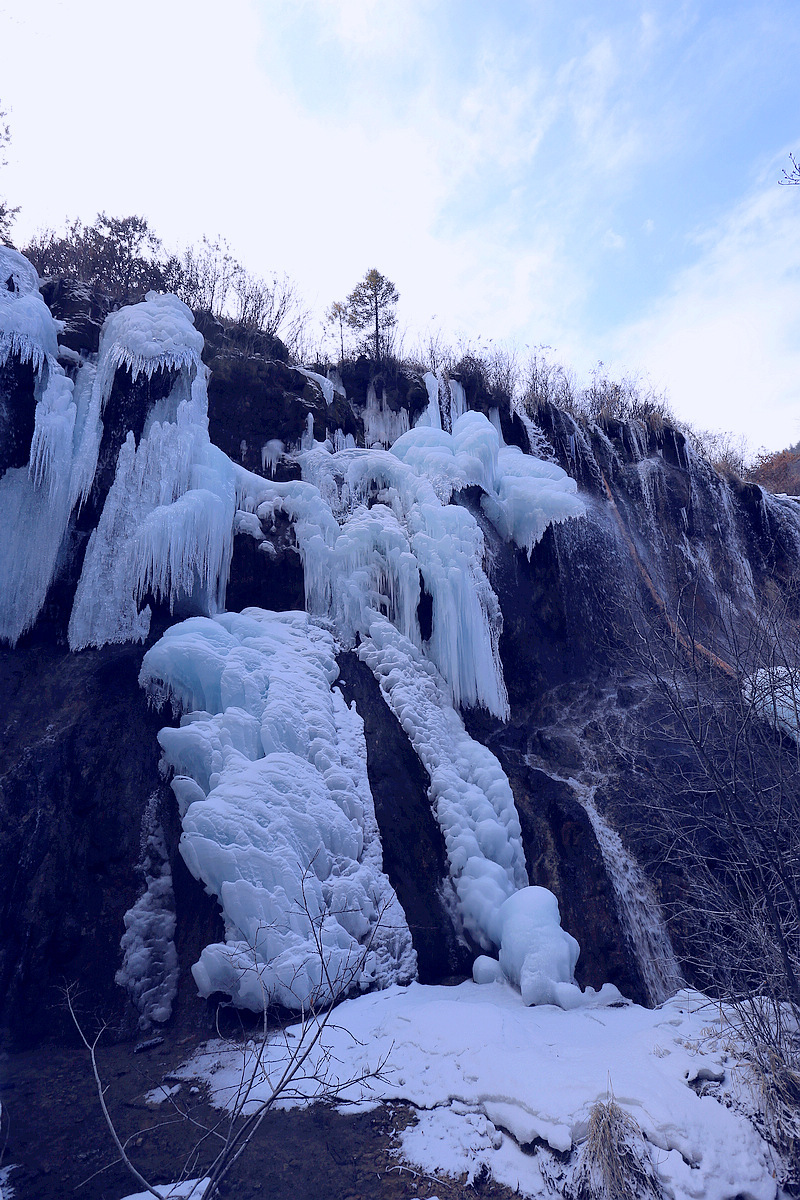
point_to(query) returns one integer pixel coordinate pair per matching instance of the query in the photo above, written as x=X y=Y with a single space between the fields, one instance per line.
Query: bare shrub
x=721 y=815
x=302 y=1070
x=778 y=472
x=727 y=452
x=547 y=382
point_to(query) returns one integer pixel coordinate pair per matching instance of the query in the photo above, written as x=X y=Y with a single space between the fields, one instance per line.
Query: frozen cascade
x=149 y=971
x=474 y=806
x=35 y=501
x=382 y=425
x=329 y=385
x=369 y=525
x=447 y=401
x=639 y=909
x=278 y=817
x=167 y=524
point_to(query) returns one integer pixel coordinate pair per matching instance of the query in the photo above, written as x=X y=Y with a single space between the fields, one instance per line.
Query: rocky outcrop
x=80 y=762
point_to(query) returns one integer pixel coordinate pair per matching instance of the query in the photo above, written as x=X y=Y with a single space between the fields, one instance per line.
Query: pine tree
x=370 y=305
x=7 y=213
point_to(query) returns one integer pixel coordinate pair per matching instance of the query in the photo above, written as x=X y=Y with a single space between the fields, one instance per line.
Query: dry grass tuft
x=615 y=1162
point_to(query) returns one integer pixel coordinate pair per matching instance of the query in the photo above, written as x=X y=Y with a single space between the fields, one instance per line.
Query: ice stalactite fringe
x=168 y=521
x=34 y=499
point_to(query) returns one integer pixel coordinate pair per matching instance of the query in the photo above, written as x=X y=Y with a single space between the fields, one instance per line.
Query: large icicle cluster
x=371 y=525
x=269 y=762
x=26 y=326
x=166 y=528
x=278 y=817
x=35 y=500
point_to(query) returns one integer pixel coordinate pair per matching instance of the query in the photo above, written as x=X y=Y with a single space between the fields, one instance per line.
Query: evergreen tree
x=370 y=306
x=7 y=213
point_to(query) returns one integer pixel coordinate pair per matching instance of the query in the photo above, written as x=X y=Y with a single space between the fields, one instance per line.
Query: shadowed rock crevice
x=413 y=847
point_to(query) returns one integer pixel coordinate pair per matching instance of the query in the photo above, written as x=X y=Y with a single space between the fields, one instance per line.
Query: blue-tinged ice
x=35 y=500
x=278 y=817
x=166 y=530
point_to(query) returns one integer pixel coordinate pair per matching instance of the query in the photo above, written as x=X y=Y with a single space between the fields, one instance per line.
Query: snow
x=26 y=326
x=497 y=1083
x=278 y=817
x=188 y=1189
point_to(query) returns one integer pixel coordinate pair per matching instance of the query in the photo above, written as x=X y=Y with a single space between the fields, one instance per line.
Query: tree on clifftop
x=122 y=255
x=370 y=306
x=7 y=213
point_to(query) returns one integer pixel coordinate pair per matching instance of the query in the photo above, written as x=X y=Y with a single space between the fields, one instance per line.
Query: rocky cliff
x=80 y=789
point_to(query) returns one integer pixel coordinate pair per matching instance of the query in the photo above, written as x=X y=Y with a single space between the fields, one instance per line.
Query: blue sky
x=598 y=177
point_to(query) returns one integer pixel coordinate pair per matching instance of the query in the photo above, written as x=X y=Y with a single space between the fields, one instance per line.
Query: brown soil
x=58 y=1140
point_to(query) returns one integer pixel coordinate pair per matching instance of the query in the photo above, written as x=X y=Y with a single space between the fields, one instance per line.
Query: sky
x=595 y=176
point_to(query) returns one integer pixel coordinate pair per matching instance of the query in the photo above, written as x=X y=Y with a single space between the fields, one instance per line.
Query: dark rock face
x=79 y=763
x=413 y=847
x=17 y=408
x=81 y=307
x=126 y=411
x=254 y=400
x=266 y=580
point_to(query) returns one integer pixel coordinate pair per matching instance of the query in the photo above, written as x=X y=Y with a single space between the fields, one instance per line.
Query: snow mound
x=26 y=326
x=278 y=817
x=511 y=1088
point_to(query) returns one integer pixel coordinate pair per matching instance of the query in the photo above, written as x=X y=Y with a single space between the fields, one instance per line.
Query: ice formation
x=35 y=500
x=370 y=525
x=372 y=528
x=382 y=425
x=376 y=530
x=149 y=971
x=278 y=818
x=26 y=326
x=774 y=693
x=166 y=529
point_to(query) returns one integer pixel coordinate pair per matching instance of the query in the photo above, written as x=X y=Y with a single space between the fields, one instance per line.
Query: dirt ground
x=55 y=1134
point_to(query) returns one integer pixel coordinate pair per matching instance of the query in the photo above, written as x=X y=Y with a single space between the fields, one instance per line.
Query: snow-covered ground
x=497 y=1084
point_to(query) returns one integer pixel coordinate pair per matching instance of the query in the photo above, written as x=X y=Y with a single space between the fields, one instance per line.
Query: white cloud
x=613 y=240
x=725 y=338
